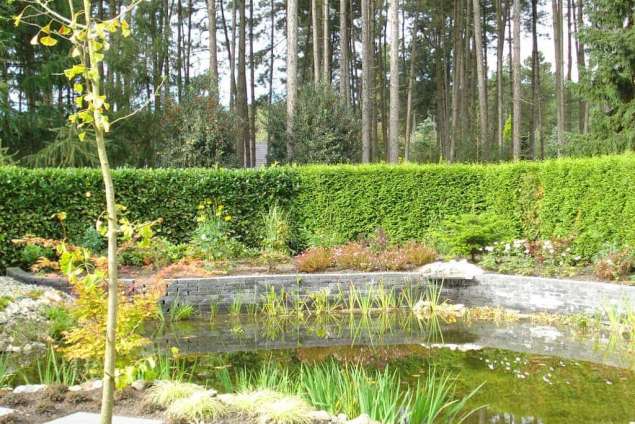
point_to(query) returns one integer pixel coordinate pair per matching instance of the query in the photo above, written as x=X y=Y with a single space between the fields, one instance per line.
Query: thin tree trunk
x=326 y=38
x=393 y=133
x=557 y=30
x=110 y=353
x=213 y=55
x=316 y=40
x=569 y=67
x=230 y=57
x=243 y=151
x=411 y=84
x=482 y=79
x=535 y=96
x=271 y=68
x=578 y=26
x=292 y=72
x=252 y=84
x=232 y=66
x=456 y=77
x=516 y=82
x=500 y=46
x=344 y=69
x=366 y=81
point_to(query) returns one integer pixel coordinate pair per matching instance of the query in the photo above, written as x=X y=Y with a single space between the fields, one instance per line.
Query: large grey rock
x=89 y=418
x=451 y=269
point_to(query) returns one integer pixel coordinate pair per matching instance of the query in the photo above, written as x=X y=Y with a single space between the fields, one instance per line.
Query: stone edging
x=541 y=294
x=26 y=277
x=58 y=283
x=525 y=294
x=222 y=291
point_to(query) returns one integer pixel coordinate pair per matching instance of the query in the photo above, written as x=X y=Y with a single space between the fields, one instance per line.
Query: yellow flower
x=228 y=218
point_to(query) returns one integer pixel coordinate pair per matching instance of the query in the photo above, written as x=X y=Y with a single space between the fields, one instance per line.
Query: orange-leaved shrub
x=314 y=259
x=361 y=256
x=615 y=266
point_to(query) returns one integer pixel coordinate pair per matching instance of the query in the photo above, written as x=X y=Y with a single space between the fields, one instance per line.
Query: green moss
x=4 y=302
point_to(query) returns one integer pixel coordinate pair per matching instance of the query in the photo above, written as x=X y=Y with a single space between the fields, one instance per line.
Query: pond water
x=531 y=372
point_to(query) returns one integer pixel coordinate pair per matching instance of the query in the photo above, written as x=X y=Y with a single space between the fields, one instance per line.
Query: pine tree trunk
x=500 y=46
x=344 y=57
x=272 y=57
x=578 y=26
x=557 y=30
x=243 y=150
x=326 y=48
x=316 y=40
x=213 y=55
x=252 y=84
x=516 y=82
x=230 y=57
x=482 y=80
x=569 y=67
x=535 y=96
x=232 y=66
x=393 y=133
x=292 y=72
x=366 y=81
x=411 y=84
x=456 y=77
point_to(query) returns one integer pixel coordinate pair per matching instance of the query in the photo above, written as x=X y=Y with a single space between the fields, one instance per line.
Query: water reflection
x=236 y=333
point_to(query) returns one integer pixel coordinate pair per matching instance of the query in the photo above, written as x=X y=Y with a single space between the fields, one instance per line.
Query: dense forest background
x=332 y=82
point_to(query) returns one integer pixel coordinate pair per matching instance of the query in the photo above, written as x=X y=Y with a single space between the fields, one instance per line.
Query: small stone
x=29 y=388
x=92 y=385
x=139 y=385
x=75 y=388
x=363 y=419
x=321 y=416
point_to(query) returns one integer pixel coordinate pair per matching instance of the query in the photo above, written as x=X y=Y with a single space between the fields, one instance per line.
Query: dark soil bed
x=57 y=401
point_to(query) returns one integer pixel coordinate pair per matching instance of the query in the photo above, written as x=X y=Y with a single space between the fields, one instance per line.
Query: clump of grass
x=286 y=410
x=60 y=321
x=5 y=374
x=200 y=406
x=181 y=312
x=165 y=393
x=250 y=402
x=54 y=369
x=434 y=400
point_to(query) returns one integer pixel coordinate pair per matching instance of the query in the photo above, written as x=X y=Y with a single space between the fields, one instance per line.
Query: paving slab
x=90 y=418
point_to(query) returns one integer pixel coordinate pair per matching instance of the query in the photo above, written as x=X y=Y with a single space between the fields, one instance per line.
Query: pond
x=530 y=371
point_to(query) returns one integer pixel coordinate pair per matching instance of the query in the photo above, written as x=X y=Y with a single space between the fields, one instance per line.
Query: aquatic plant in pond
x=354 y=390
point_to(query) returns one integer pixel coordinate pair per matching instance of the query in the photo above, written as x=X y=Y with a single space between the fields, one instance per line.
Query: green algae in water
x=594 y=385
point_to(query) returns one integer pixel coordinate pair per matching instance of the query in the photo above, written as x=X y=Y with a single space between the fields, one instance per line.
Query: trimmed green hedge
x=592 y=199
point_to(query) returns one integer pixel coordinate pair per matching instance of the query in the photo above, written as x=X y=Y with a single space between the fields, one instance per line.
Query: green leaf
x=48 y=41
